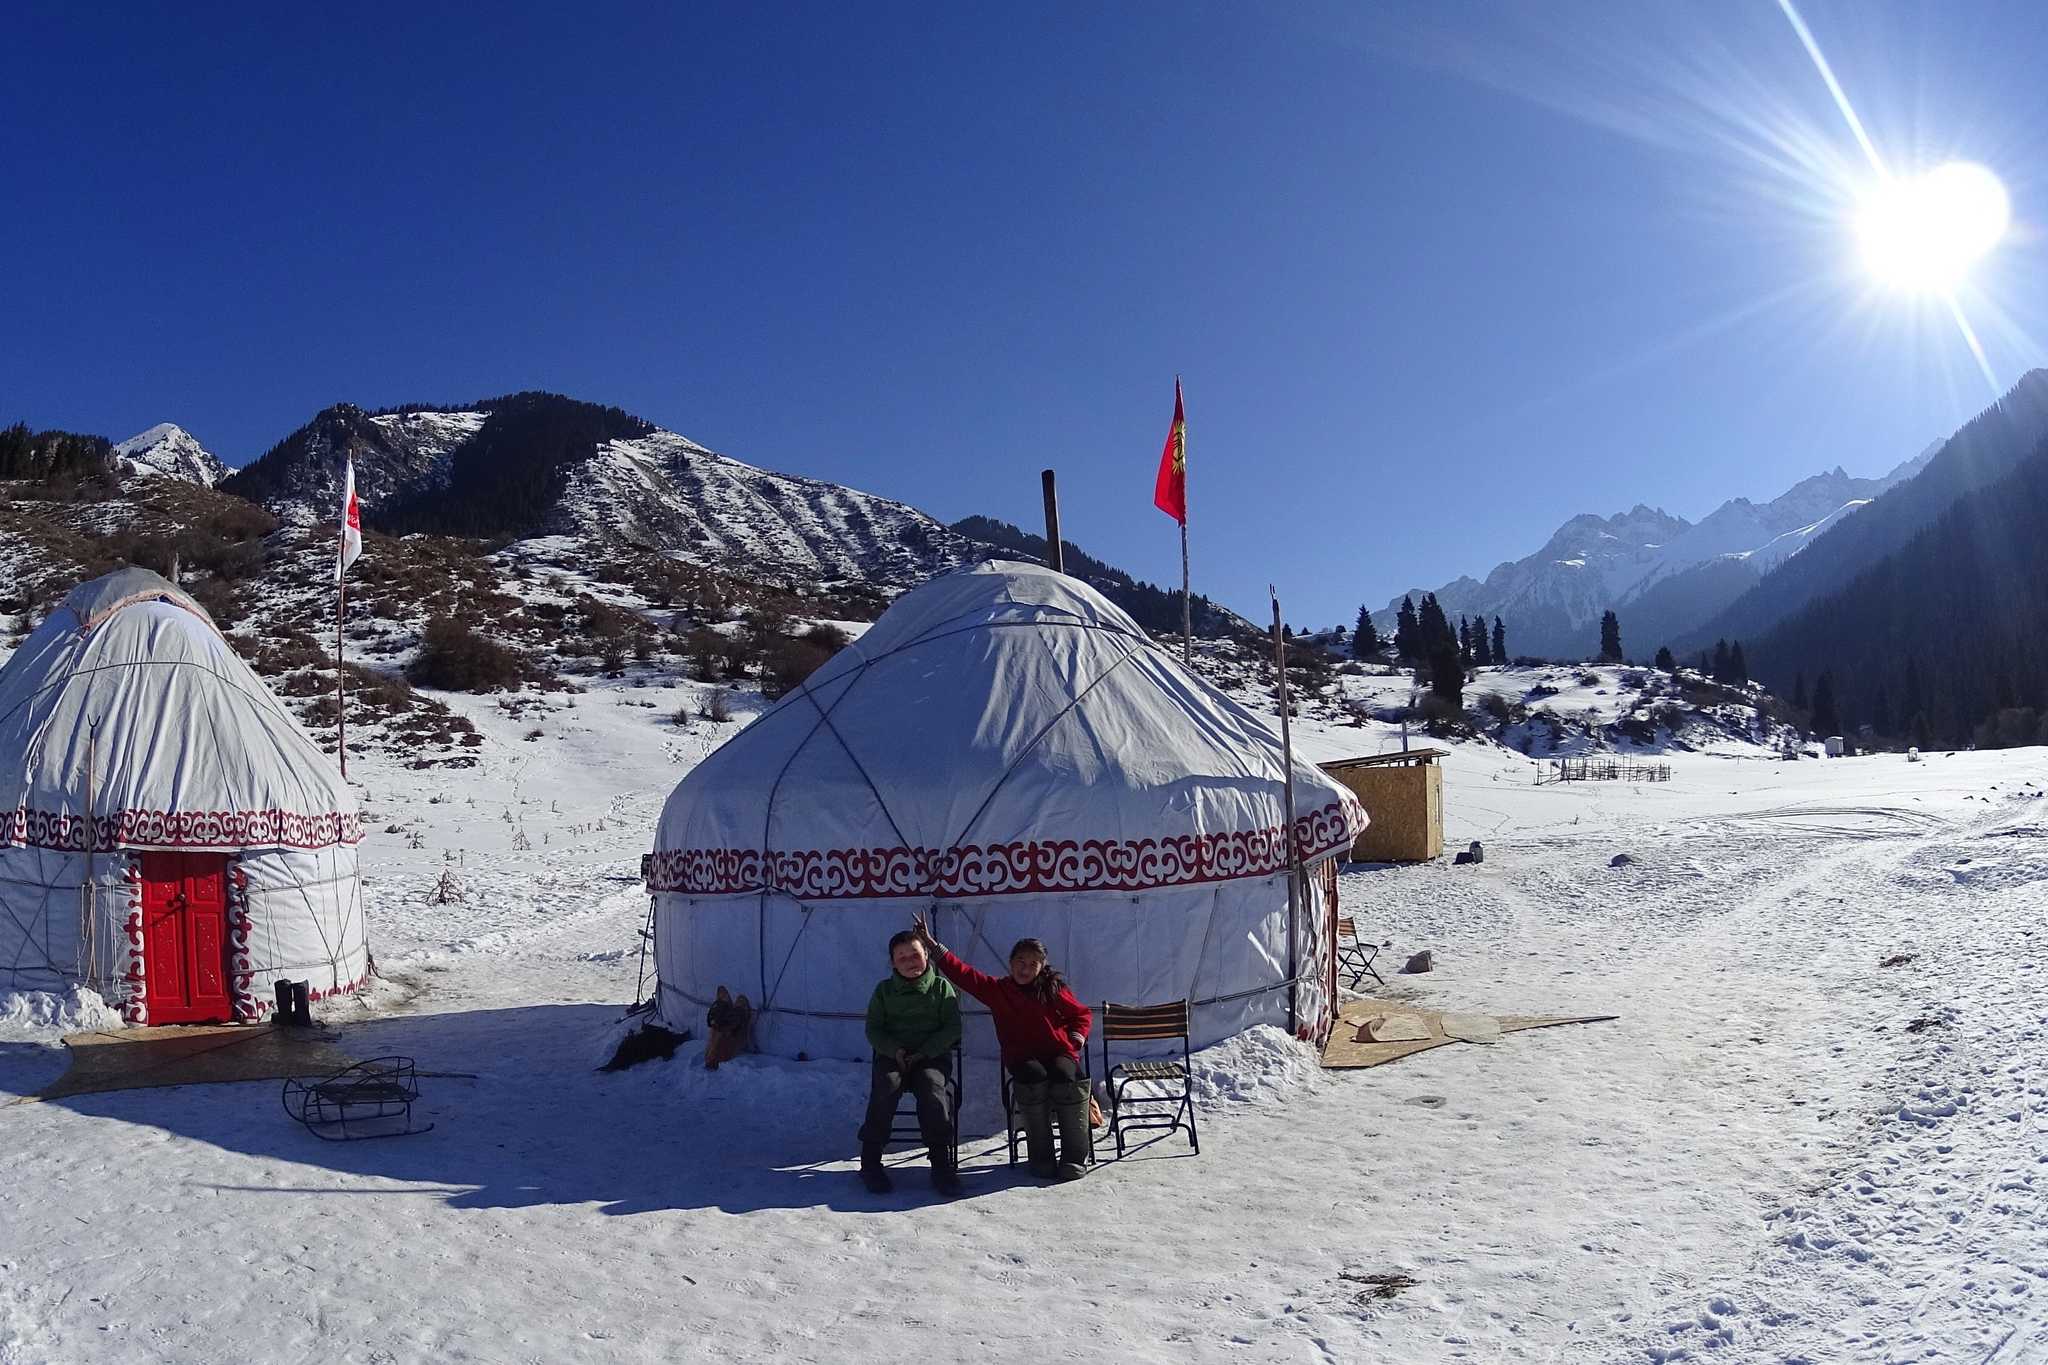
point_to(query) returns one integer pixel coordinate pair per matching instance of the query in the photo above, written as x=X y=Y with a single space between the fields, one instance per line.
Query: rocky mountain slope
x=1987 y=449
x=1664 y=574
x=531 y=465
x=1943 y=641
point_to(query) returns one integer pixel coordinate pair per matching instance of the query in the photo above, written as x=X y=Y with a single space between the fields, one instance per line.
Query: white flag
x=351 y=521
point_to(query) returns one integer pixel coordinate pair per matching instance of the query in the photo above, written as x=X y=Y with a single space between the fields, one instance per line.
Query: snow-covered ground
x=1782 y=1150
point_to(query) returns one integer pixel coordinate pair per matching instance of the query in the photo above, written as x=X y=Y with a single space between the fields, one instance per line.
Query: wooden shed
x=1403 y=794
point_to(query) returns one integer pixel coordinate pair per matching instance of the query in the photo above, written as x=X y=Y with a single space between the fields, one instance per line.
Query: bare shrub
x=455 y=658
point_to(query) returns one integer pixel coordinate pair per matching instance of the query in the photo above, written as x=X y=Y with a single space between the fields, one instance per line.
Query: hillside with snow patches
x=1666 y=575
x=605 y=550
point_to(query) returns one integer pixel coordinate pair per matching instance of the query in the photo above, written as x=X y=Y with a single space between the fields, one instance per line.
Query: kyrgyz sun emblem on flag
x=1170 y=491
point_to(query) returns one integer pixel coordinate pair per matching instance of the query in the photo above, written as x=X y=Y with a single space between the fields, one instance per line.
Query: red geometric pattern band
x=1024 y=867
x=228 y=829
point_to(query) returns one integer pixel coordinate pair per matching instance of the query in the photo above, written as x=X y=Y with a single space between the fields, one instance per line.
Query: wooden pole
x=340 y=675
x=88 y=927
x=1055 y=552
x=1187 y=613
x=1295 y=883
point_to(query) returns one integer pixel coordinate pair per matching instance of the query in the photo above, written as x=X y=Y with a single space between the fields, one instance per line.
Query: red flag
x=1170 y=493
x=351 y=521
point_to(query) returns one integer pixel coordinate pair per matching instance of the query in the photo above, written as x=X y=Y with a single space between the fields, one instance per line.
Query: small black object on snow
x=1419 y=963
x=1620 y=860
x=648 y=1043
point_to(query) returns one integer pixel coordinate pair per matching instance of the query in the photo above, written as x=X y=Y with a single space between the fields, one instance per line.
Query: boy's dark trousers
x=927 y=1080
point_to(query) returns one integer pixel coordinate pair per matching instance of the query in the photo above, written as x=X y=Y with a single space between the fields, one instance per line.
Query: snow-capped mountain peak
x=169 y=451
x=1662 y=572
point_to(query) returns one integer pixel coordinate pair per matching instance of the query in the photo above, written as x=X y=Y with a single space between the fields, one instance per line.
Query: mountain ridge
x=532 y=465
x=1985 y=449
x=1674 y=572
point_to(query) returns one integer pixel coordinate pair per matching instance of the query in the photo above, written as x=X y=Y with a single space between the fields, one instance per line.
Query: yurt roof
x=93 y=601
x=1000 y=730
x=130 y=692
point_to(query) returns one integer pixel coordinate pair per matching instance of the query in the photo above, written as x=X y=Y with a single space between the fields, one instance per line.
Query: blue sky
x=1437 y=277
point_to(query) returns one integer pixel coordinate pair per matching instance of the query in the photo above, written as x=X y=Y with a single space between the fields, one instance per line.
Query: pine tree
x=1826 y=720
x=1913 y=705
x=1799 y=691
x=1365 y=641
x=1407 y=632
x=1610 y=638
x=1482 y=652
x=1500 y=643
x=1881 y=713
x=1720 y=671
x=1665 y=663
x=1446 y=673
x=1738 y=667
x=1433 y=628
x=1923 y=737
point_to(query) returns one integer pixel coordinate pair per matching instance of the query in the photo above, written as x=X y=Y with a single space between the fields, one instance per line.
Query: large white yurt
x=1009 y=752
x=169 y=835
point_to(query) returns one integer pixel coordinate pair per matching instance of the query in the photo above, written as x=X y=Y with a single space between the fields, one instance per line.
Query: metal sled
x=371 y=1099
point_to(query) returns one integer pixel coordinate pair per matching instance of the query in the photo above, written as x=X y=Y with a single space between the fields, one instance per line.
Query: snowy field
x=1782 y=1150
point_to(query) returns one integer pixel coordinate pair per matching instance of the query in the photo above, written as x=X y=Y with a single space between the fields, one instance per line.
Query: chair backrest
x=1346 y=927
x=1140 y=1022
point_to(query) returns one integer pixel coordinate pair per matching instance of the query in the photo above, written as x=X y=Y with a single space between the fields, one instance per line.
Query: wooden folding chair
x=1354 y=955
x=904 y=1128
x=1168 y=1100
x=1014 y=1125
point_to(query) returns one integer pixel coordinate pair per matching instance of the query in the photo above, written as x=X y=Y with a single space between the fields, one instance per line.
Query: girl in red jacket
x=1041 y=1029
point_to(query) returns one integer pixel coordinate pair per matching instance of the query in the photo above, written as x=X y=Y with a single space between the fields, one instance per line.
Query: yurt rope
x=768 y=821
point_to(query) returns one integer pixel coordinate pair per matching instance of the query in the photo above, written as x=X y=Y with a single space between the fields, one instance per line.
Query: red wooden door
x=184 y=937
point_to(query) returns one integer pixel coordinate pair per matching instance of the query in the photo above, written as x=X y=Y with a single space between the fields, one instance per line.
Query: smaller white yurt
x=169 y=835
x=1008 y=752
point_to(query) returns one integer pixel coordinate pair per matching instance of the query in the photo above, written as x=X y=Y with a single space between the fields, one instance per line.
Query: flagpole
x=1187 y=611
x=1297 y=883
x=340 y=616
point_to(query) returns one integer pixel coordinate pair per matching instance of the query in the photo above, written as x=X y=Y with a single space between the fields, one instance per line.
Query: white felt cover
x=1009 y=750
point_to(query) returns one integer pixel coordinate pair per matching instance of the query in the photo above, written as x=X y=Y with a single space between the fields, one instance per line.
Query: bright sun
x=1923 y=233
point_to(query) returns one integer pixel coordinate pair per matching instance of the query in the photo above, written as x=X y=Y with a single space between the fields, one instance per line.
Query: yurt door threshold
x=184 y=938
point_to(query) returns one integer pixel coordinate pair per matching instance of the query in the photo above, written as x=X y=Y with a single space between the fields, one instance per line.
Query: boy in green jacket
x=913 y=1023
